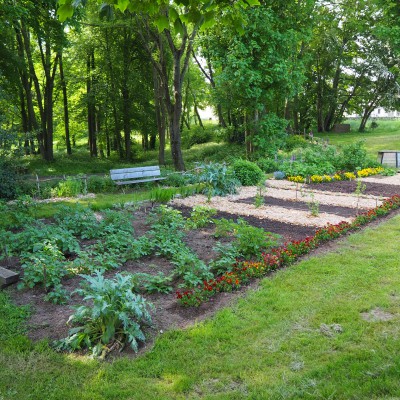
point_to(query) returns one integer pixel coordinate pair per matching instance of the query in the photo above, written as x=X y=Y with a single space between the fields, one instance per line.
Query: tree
x=178 y=23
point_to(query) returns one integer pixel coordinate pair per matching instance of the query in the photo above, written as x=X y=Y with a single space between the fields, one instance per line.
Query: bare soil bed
x=48 y=321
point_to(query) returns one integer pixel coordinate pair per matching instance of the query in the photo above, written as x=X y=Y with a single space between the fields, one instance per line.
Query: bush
x=267 y=165
x=9 y=179
x=197 y=135
x=100 y=184
x=247 y=172
x=294 y=141
x=69 y=188
x=279 y=175
x=354 y=156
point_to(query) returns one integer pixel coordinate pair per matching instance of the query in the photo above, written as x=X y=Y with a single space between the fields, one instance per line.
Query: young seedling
x=313 y=206
x=259 y=200
x=360 y=189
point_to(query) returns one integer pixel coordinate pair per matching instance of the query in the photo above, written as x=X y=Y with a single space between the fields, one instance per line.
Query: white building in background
x=379 y=112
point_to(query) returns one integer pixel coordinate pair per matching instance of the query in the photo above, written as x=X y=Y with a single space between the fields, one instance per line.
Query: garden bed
x=48 y=321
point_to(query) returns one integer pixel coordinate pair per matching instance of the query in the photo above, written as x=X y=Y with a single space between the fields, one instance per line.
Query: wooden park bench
x=126 y=176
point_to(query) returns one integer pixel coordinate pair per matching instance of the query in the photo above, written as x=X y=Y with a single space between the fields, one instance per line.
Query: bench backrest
x=134 y=173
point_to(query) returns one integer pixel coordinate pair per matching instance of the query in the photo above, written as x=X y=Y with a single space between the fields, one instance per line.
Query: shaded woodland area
x=138 y=72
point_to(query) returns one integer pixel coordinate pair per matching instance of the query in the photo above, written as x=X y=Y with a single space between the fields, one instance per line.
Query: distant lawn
x=80 y=161
x=385 y=137
x=300 y=336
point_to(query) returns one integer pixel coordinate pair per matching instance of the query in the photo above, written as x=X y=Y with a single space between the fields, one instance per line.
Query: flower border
x=280 y=257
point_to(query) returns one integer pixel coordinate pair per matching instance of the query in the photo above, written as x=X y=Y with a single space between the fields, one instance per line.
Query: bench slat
x=124 y=176
x=122 y=170
x=135 y=174
x=138 y=180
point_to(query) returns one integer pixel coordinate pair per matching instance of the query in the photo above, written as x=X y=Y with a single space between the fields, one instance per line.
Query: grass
x=385 y=137
x=267 y=346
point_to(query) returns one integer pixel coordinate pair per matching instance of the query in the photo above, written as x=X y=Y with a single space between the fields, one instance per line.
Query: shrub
x=115 y=314
x=354 y=156
x=69 y=188
x=197 y=135
x=100 y=184
x=247 y=172
x=294 y=141
x=279 y=175
x=267 y=165
x=9 y=179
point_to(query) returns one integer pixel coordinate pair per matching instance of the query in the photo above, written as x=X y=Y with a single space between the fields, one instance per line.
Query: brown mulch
x=372 y=188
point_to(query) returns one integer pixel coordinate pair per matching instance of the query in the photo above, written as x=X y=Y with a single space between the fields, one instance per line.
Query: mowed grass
x=385 y=137
x=277 y=342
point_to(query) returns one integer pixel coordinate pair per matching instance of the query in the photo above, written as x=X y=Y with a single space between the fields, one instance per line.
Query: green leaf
x=122 y=5
x=252 y=3
x=65 y=11
x=173 y=14
x=178 y=27
x=162 y=23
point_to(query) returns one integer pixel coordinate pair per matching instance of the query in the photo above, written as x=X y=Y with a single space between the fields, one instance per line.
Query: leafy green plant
x=9 y=179
x=259 y=199
x=267 y=165
x=159 y=283
x=69 y=188
x=251 y=241
x=115 y=315
x=247 y=172
x=354 y=155
x=218 y=179
x=200 y=217
x=227 y=258
x=80 y=220
x=44 y=267
x=279 y=175
x=359 y=191
x=161 y=195
x=389 y=172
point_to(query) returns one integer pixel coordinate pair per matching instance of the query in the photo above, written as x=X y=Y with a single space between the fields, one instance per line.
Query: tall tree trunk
x=126 y=106
x=91 y=103
x=65 y=104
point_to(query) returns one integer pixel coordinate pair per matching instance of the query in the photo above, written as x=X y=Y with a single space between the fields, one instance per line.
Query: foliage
x=279 y=175
x=389 y=172
x=71 y=187
x=159 y=283
x=116 y=315
x=219 y=180
x=46 y=267
x=228 y=255
x=249 y=241
x=247 y=172
x=100 y=184
x=259 y=199
x=161 y=195
x=294 y=141
x=9 y=179
x=200 y=217
x=354 y=156
x=80 y=220
x=267 y=165
x=197 y=135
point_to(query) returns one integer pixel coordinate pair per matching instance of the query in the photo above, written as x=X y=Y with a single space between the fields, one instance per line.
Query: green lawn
x=270 y=345
x=385 y=137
